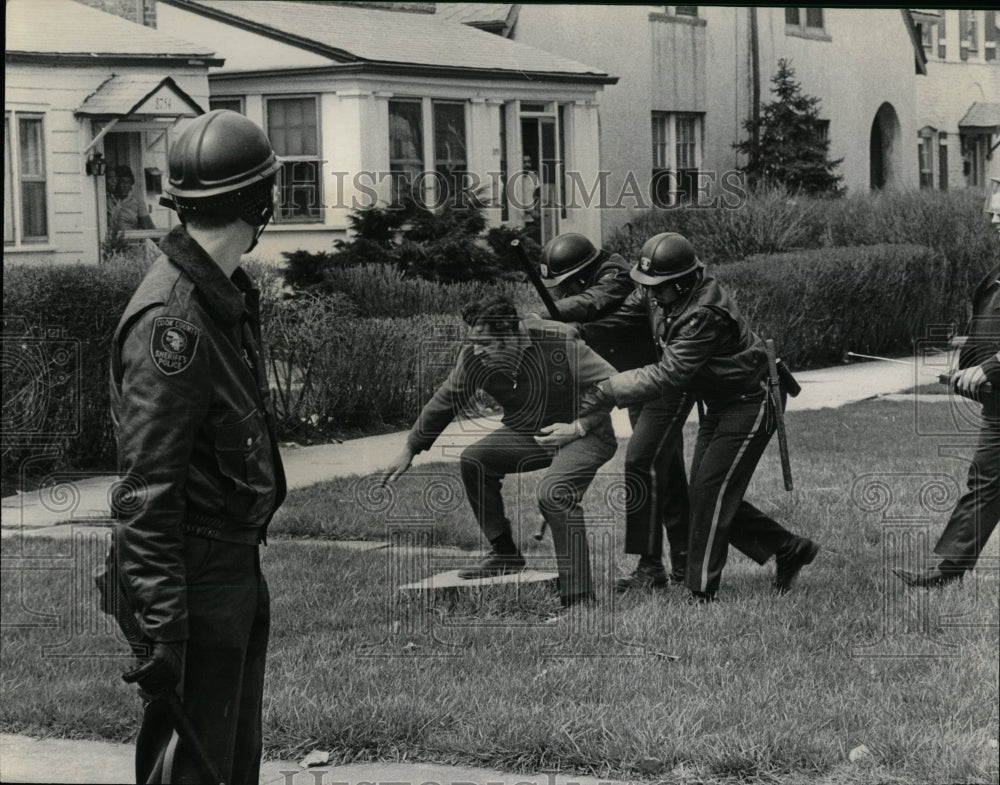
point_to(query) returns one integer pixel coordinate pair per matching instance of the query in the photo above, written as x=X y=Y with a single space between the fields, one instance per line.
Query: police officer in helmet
x=197 y=448
x=707 y=352
x=587 y=285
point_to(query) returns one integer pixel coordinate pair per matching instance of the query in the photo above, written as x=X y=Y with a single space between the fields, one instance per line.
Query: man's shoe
x=677 y=576
x=643 y=577
x=788 y=563
x=928 y=579
x=493 y=564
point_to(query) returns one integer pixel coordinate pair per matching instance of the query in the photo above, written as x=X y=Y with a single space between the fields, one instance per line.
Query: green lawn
x=765 y=688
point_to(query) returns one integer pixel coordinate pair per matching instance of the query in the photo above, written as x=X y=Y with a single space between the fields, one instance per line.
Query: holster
x=787 y=381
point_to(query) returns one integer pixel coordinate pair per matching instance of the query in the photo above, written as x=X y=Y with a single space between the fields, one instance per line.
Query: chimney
x=145 y=12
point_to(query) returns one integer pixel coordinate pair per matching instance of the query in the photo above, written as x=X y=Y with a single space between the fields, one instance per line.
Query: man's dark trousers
x=571 y=468
x=229 y=624
x=656 y=482
x=978 y=511
x=731 y=439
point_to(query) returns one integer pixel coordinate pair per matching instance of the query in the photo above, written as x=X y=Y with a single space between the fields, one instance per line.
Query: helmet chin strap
x=266 y=219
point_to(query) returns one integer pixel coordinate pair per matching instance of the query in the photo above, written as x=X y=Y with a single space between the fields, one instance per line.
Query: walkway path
x=61 y=510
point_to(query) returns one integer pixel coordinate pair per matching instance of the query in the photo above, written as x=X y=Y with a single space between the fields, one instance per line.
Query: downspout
x=754 y=88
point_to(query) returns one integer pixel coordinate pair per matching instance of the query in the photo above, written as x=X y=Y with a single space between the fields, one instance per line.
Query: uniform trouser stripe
x=716 y=513
x=669 y=437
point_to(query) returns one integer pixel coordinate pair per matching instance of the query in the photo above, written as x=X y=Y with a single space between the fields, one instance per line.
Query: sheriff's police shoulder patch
x=690 y=328
x=172 y=344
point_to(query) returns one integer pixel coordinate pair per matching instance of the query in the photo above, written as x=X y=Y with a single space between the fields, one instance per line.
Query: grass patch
x=765 y=689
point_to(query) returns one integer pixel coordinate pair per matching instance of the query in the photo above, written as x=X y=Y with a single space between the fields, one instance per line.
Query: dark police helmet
x=565 y=255
x=665 y=257
x=222 y=162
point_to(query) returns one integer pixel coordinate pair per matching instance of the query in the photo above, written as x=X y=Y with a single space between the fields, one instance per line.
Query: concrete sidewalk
x=57 y=510
x=66 y=761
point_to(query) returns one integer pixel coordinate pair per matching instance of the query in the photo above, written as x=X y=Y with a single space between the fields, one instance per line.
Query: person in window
x=529 y=200
x=126 y=209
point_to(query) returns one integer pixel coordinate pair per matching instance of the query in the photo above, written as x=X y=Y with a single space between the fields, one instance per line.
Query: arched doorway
x=884 y=149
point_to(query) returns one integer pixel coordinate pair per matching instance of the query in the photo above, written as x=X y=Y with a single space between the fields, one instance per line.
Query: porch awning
x=982 y=117
x=135 y=95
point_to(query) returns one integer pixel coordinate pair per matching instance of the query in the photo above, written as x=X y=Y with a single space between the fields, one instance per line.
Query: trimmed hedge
x=48 y=310
x=875 y=299
x=381 y=291
x=770 y=221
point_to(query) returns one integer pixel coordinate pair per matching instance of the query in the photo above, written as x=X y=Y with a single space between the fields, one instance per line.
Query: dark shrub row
x=770 y=221
x=876 y=299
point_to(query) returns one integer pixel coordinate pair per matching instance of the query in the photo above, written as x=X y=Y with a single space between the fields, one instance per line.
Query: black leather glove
x=598 y=398
x=160 y=672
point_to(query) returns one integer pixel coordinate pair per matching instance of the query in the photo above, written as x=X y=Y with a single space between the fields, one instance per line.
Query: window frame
x=319 y=210
x=239 y=100
x=666 y=155
x=802 y=27
x=14 y=180
x=428 y=172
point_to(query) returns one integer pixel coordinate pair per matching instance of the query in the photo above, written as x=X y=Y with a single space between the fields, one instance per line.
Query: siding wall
x=72 y=196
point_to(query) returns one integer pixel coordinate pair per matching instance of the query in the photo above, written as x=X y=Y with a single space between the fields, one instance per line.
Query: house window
x=450 y=161
x=925 y=153
x=25 y=184
x=969 y=29
x=804 y=20
x=943 y=161
x=408 y=158
x=927 y=37
x=676 y=157
x=406 y=146
x=682 y=10
x=233 y=104
x=293 y=128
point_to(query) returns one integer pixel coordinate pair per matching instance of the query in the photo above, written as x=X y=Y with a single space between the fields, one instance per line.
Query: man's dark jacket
x=195 y=437
x=555 y=368
x=607 y=287
x=705 y=346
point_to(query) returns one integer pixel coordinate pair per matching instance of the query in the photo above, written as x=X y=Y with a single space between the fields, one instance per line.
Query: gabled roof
x=45 y=29
x=982 y=115
x=122 y=95
x=496 y=18
x=382 y=37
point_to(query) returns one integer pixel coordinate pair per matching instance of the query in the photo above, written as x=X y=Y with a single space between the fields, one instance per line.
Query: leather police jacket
x=554 y=368
x=982 y=346
x=705 y=344
x=196 y=440
x=607 y=288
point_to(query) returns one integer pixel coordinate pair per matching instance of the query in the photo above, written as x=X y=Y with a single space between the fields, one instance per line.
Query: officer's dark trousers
x=571 y=468
x=223 y=687
x=978 y=511
x=656 y=482
x=731 y=440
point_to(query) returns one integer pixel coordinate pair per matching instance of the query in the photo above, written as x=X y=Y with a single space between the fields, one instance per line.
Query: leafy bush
x=364 y=374
x=377 y=290
x=444 y=245
x=771 y=221
x=820 y=304
x=57 y=404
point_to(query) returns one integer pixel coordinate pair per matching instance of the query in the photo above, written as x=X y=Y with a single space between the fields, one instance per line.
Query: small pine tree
x=790 y=150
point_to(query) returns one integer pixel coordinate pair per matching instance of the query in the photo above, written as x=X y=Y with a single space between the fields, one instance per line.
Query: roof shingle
x=384 y=36
x=62 y=27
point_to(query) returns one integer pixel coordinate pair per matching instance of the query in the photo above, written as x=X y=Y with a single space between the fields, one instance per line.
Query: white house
x=88 y=94
x=361 y=101
x=958 y=103
x=686 y=85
